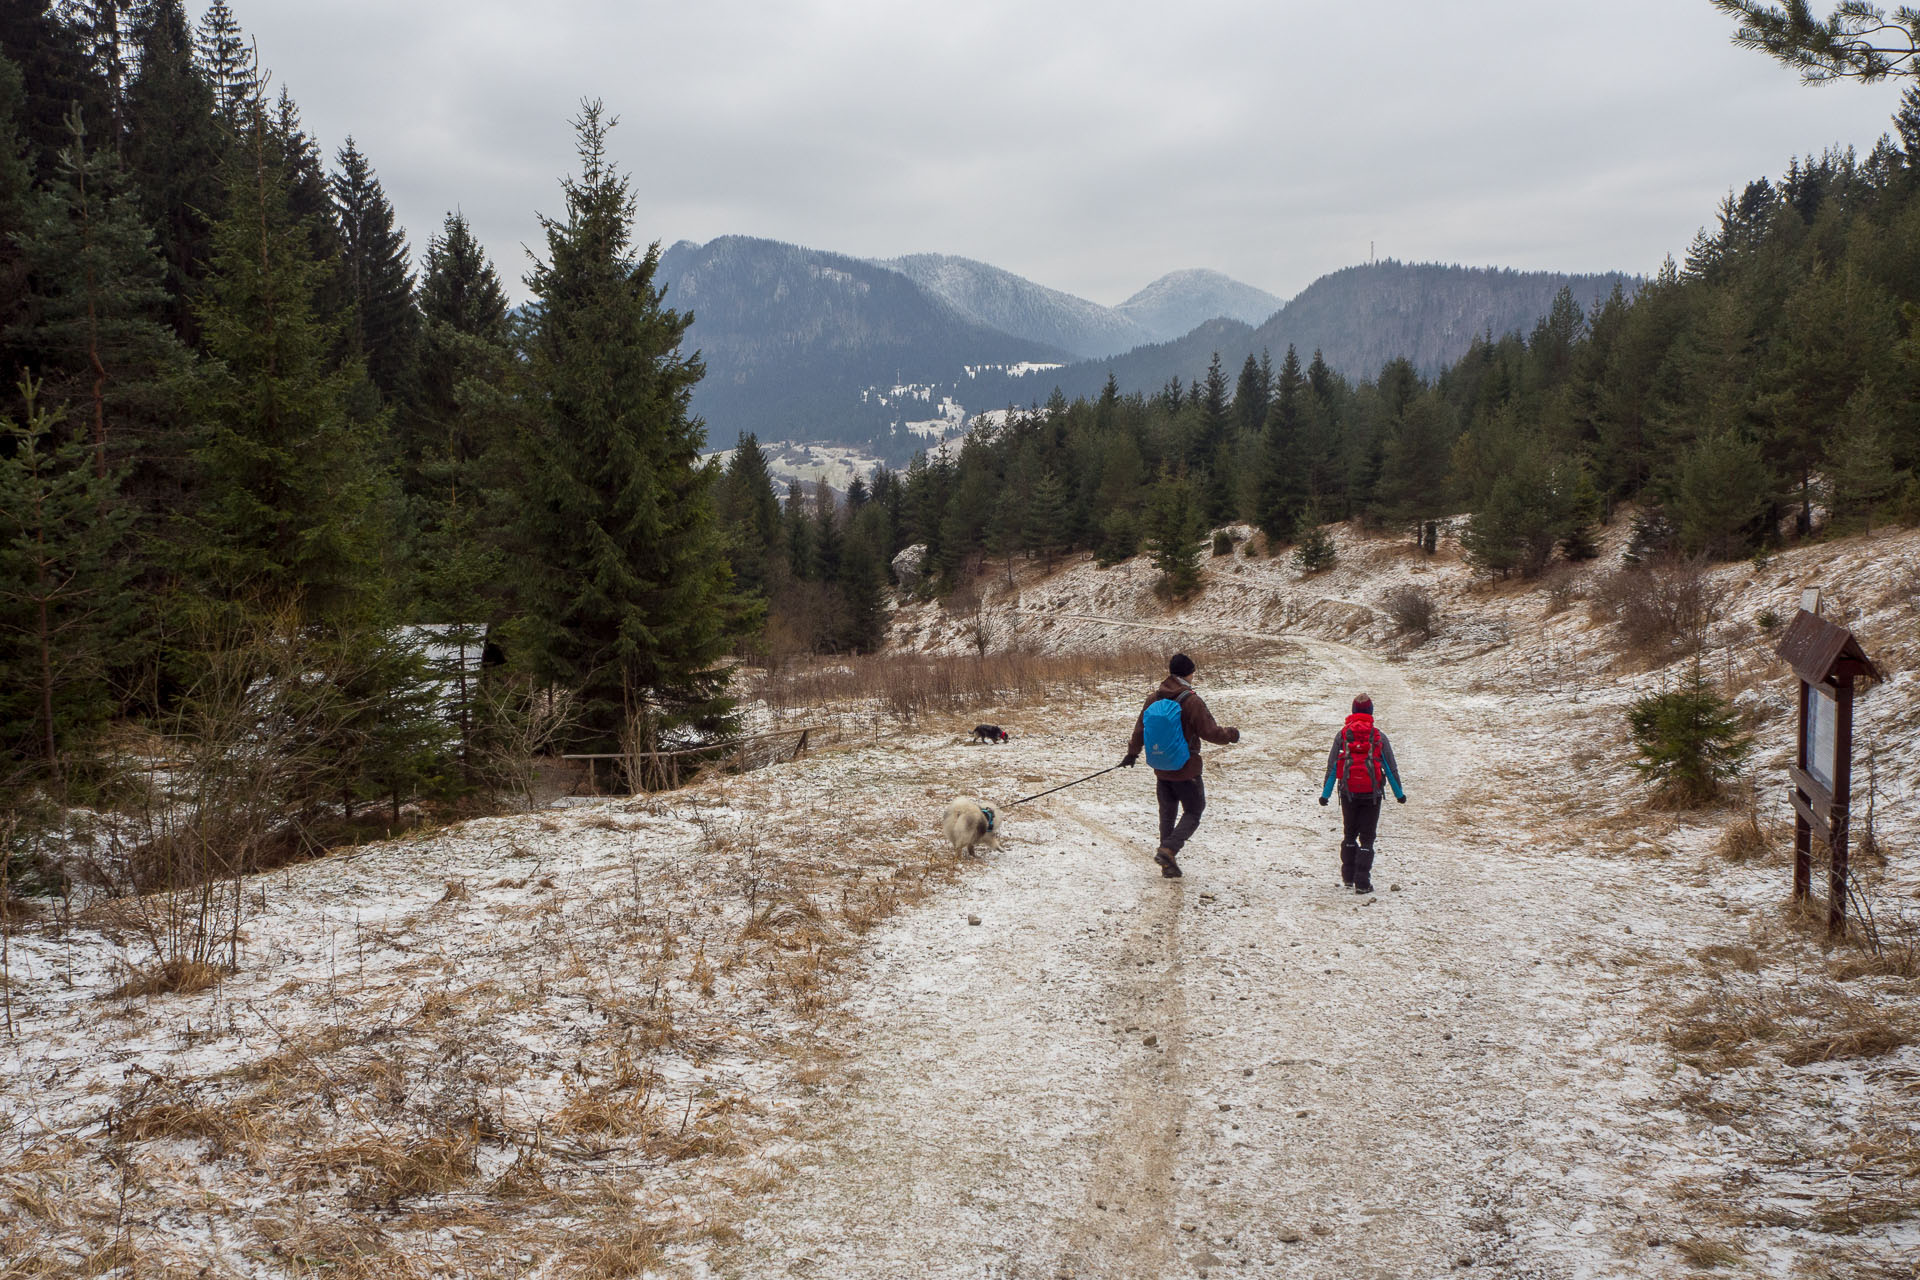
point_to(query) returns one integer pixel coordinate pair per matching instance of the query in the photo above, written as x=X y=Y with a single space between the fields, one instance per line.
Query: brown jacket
x=1195 y=719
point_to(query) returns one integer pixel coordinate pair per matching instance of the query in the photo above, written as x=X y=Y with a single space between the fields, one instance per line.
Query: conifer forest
x=244 y=432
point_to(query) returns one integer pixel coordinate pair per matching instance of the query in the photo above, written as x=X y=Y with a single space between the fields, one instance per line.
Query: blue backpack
x=1166 y=740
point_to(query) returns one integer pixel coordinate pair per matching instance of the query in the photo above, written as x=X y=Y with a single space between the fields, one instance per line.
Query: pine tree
x=750 y=513
x=862 y=587
x=1282 y=490
x=1722 y=496
x=16 y=197
x=55 y=56
x=827 y=543
x=1046 y=518
x=384 y=327
x=452 y=420
x=1176 y=537
x=228 y=64
x=65 y=610
x=1860 y=462
x=1249 y=399
x=96 y=332
x=291 y=487
x=628 y=592
x=174 y=148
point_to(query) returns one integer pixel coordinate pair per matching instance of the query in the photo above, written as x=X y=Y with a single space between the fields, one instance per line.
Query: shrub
x=1689 y=740
x=1413 y=611
x=1223 y=543
x=1769 y=620
x=1316 y=553
x=1662 y=607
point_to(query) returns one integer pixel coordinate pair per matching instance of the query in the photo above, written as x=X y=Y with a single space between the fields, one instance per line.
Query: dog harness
x=988 y=815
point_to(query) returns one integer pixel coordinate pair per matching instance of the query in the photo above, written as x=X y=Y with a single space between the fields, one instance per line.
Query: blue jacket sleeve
x=1393 y=770
x=1333 y=765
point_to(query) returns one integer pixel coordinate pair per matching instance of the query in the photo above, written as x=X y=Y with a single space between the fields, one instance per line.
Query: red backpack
x=1362 y=745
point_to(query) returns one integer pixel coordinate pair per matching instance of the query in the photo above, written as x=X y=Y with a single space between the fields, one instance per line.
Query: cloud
x=1089 y=146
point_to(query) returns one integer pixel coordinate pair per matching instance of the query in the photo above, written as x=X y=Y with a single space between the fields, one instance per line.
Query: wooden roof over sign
x=1817 y=650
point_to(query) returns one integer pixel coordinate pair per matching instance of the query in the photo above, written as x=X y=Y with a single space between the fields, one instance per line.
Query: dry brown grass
x=1709 y=1254
x=1806 y=1022
x=626 y=1249
x=388 y=1168
x=169 y=977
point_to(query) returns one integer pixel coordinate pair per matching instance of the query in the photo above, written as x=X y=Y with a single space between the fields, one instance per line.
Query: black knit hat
x=1363 y=705
x=1181 y=665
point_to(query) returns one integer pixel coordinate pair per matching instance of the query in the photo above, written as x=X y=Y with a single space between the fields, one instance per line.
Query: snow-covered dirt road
x=1113 y=1074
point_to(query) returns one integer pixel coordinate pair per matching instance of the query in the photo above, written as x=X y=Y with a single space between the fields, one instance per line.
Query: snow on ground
x=749 y=1029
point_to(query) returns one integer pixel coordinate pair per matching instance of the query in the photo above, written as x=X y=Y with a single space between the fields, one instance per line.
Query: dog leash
x=1063 y=786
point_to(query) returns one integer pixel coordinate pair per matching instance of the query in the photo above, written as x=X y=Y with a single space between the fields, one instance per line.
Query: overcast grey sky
x=1090 y=145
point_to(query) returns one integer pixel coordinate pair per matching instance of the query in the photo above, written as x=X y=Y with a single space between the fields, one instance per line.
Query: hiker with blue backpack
x=1169 y=729
x=1361 y=764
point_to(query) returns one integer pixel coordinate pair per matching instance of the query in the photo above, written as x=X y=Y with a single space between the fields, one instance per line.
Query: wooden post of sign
x=1802 y=829
x=1837 y=815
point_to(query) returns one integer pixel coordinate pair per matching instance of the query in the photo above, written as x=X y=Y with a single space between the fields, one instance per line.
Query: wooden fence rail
x=665 y=771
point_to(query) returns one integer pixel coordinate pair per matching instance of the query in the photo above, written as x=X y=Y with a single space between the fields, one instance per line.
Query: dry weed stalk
x=910 y=686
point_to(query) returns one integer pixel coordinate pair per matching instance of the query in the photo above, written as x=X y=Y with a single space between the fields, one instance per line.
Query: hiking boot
x=1363 y=888
x=1168 y=867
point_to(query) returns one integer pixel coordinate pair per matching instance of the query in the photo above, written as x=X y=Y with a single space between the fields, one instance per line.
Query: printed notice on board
x=1823 y=736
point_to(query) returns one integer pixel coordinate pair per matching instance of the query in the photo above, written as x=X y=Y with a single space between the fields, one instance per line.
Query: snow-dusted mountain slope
x=1180 y=301
x=1020 y=307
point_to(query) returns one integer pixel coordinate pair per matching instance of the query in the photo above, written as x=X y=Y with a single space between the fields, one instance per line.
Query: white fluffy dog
x=967 y=823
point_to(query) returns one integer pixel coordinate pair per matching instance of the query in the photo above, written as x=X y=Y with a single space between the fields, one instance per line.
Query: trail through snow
x=1252 y=1067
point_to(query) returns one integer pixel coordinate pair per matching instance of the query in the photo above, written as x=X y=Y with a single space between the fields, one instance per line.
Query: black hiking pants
x=1190 y=796
x=1361 y=815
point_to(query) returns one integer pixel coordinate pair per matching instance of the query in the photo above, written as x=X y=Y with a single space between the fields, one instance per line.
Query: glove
x=1235 y=735
x=1323 y=802
x=1401 y=799
x=1132 y=758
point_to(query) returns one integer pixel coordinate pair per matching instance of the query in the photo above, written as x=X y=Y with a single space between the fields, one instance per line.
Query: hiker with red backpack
x=1362 y=765
x=1169 y=729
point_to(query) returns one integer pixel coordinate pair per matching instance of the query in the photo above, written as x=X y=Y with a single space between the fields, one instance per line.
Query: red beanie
x=1363 y=706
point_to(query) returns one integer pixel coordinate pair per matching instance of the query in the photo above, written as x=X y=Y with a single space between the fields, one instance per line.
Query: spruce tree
x=628 y=592
x=750 y=513
x=1176 y=537
x=174 y=148
x=228 y=64
x=456 y=418
x=1861 y=473
x=1722 y=495
x=384 y=324
x=1046 y=518
x=65 y=609
x=96 y=332
x=291 y=487
x=1249 y=399
x=16 y=194
x=1282 y=490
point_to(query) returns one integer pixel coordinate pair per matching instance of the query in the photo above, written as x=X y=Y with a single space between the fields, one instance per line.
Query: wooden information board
x=1829 y=663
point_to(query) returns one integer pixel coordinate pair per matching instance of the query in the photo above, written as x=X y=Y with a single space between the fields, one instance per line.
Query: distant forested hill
x=801 y=344
x=1359 y=318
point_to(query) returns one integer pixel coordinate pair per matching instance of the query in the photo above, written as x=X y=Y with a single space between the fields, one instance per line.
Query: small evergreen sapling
x=1316 y=553
x=1689 y=740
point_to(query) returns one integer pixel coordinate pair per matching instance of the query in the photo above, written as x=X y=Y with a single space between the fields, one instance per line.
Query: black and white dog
x=990 y=733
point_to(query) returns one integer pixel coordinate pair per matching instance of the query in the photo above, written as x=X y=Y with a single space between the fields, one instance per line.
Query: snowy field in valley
x=749 y=1028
